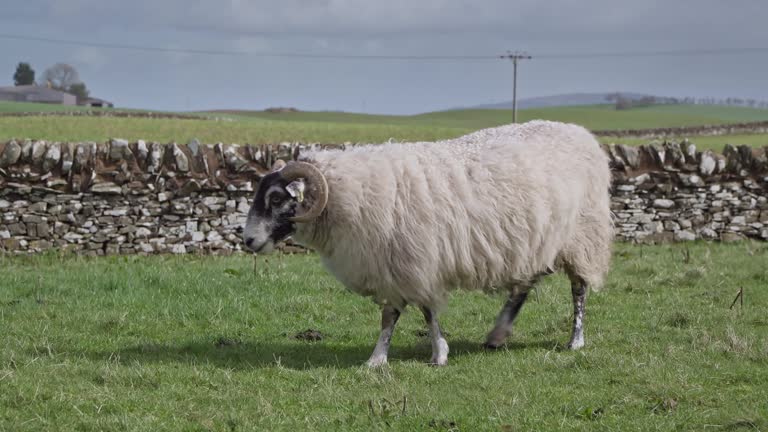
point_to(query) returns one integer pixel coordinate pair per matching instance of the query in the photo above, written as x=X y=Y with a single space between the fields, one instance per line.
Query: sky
x=242 y=31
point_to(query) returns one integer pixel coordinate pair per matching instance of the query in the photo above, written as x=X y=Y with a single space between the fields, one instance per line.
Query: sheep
x=405 y=223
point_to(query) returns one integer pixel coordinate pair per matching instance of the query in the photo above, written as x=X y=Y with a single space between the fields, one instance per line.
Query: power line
x=245 y=53
x=661 y=53
x=542 y=56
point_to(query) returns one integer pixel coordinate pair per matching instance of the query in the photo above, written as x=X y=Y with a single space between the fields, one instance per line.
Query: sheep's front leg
x=579 y=292
x=439 y=344
x=389 y=317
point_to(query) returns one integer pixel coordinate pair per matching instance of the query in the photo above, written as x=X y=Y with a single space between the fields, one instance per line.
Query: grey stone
x=11 y=154
x=641 y=179
x=708 y=163
x=146 y=248
x=213 y=236
x=155 y=161
x=180 y=159
x=30 y=218
x=118 y=211
x=38 y=152
x=194 y=147
x=685 y=235
x=178 y=249
x=663 y=203
x=142 y=150
x=118 y=150
x=233 y=159
x=52 y=157
x=26 y=151
x=738 y=220
x=72 y=237
x=106 y=188
x=629 y=154
x=66 y=158
x=38 y=207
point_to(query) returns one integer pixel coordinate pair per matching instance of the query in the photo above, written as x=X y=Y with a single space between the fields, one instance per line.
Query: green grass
x=204 y=343
x=715 y=143
x=210 y=131
x=598 y=117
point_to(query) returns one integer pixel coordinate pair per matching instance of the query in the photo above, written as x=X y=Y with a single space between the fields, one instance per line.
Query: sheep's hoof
x=377 y=362
x=438 y=362
x=490 y=346
x=575 y=345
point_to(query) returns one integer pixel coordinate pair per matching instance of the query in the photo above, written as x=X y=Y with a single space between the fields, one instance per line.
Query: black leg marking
x=579 y=292
x=439 y=344
x=505 y=319
x=389 y=317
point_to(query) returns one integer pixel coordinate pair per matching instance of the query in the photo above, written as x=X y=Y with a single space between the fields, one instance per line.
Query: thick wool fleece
x=407 y=222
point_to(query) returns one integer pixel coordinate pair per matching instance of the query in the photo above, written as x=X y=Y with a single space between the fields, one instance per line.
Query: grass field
x=194 y=343
x=716 y=143
x=333 y=127
x=598 y=117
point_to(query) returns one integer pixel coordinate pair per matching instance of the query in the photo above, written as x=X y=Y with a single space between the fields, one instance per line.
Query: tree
x=79 y=90
x=24 y=75
x=623 y=103
x=61 y=76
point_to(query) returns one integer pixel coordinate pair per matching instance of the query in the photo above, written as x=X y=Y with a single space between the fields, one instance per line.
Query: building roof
x=32 y=89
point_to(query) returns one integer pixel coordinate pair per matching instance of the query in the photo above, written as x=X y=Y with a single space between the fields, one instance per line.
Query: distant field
x=335 y=127
x=253 y=131
x=716 y=143
x=602 y=117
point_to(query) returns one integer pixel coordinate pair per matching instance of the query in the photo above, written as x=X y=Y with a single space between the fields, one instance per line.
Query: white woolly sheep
x=405 y=223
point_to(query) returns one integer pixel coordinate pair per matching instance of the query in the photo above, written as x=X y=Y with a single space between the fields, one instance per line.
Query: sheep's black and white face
x=268 y=222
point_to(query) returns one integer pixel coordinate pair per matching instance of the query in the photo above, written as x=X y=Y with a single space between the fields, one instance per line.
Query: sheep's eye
x=275 y=199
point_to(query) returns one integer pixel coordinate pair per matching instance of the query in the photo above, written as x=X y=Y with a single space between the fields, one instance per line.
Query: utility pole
x=515 y=57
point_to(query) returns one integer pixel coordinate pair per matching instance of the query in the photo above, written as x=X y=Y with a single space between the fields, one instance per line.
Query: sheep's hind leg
x=389 y=317
x=439 y=344
x=579 y=292
x=506 y=317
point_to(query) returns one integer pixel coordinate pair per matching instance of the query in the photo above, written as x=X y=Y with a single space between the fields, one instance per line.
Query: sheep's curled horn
x=316 y=182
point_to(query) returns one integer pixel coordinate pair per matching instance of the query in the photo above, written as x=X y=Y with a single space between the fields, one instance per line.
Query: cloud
x=90 y=57
x=585 y=19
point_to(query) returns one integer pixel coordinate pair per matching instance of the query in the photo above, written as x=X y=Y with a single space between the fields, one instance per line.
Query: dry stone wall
x=143 y=197
x=120 y=197
x=671 y=192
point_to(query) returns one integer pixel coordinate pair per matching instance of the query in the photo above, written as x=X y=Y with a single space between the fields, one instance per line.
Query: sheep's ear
x=296 y=190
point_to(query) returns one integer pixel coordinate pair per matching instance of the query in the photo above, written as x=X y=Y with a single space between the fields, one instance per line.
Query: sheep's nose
x=249 y=242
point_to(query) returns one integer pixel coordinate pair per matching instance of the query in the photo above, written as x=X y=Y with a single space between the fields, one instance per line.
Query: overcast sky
x=181 y=81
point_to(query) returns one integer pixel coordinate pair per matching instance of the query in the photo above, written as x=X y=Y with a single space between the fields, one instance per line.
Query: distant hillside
x=570 y=99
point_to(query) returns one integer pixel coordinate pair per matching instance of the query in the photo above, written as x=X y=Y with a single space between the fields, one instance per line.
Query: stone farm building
x=33 y=93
